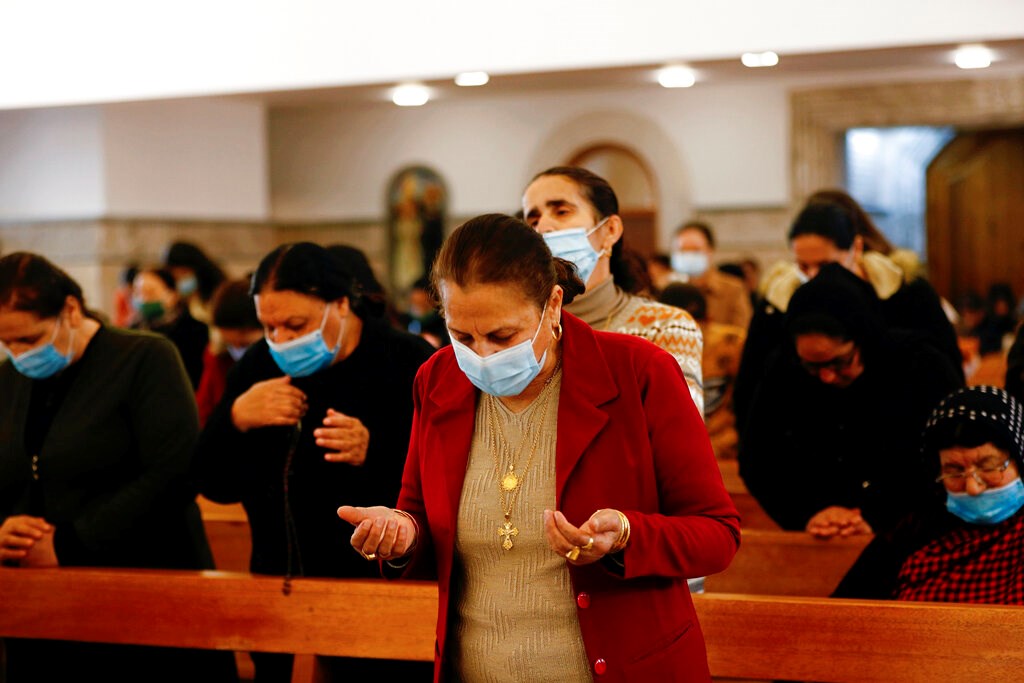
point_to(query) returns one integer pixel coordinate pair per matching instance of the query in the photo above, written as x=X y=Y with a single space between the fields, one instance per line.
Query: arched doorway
x=635 y=187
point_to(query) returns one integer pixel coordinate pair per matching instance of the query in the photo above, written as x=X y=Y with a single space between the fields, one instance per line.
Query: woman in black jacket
x=315 y=416
x=97 y=429
x=830 y=446
x=833 y=228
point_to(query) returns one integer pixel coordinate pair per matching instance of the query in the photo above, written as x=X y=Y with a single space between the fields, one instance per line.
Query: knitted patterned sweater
x=606 y=307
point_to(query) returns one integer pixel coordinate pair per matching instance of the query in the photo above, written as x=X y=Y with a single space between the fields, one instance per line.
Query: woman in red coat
x=560 y=484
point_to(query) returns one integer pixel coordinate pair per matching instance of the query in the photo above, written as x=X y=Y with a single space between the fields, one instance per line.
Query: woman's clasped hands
x=27 y=541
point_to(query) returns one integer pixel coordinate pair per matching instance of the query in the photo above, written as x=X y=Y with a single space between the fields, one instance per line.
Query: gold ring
x=368 y=556
x=589 y=545
x=573 y=553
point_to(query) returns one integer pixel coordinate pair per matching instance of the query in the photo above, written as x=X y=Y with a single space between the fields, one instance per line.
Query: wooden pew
x=752 y=637
x=752 y=515
x=227 y=529
x=768 y=562
x=787 y=563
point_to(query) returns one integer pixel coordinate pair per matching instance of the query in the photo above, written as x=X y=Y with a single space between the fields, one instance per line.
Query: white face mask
x=691 y=263
x=505 y=373
x=574 y=245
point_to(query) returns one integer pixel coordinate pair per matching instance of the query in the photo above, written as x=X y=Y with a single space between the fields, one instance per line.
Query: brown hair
x=30 y=283
x=601 y=197
x=873 y=238
x=499 y=249
x=701 y=227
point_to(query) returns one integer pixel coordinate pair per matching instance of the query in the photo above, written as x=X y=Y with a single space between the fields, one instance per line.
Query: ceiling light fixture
x=676 y=77
x=759 y=59
x=410 y=95
x=471 y=79
x=973 y=57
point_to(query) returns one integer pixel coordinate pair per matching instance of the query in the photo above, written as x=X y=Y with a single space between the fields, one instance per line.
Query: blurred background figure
x=1000 y=319
x=965 y=544
x=196 y=277
x=237 y=328
x=749 y=271
x=124 y=313
x=422 y=317
x=693 y=254
x=161 y=309
x=1015 y=367
x=723 y=345
x=659 y=270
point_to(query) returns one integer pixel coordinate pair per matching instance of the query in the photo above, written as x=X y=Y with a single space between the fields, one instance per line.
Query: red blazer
x=630 y=438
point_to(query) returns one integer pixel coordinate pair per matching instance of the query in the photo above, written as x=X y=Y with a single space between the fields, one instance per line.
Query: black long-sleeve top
x=373 y=384
x=102 y=452
x=808 y=446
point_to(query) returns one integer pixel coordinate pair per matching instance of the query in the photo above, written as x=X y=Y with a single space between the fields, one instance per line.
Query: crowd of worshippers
x=368 y=437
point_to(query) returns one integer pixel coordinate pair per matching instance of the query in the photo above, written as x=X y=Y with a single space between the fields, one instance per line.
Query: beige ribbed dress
x=513 y=615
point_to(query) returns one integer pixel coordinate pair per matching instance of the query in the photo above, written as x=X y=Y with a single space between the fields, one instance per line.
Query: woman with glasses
x=831 y=446
x=833 y=228
x=966 y=547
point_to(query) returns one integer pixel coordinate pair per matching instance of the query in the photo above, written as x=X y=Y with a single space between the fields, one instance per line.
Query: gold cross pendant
x=509 y=532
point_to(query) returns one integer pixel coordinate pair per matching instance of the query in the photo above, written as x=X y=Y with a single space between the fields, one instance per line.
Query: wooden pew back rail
x=753 y=637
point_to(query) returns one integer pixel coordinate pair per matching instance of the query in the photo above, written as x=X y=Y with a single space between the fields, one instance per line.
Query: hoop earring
x=559 y=334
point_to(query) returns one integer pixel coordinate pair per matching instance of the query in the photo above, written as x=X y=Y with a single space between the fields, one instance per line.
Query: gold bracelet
x=623 y=539
x=415 y=525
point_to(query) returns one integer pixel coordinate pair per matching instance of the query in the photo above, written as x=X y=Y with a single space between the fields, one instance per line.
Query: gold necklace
x=510 y=482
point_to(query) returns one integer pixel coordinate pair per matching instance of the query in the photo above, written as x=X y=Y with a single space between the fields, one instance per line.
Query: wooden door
x=976 y=213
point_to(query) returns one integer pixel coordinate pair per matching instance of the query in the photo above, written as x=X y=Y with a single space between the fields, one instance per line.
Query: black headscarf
x=838 y=304
x=974 y=416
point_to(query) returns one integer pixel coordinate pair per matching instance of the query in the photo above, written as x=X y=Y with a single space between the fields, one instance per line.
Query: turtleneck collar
x=599 y=303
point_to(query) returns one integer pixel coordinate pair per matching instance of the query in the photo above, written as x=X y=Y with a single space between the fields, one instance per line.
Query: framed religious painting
x=417 y=207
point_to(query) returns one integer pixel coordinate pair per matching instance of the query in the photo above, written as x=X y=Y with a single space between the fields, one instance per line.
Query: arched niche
x=417 y=206
x=634 y=185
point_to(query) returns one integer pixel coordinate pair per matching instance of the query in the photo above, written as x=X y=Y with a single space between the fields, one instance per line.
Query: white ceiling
x=59 y=52
x=917 y=62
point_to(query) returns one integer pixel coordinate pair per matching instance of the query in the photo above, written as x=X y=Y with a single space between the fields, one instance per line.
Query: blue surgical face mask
x=573 y=245
x=43 y=361
x=691 y=263
x=505 y=373
x=236 y=352
x=991 y=506
x=187 y=285
x=308 y=354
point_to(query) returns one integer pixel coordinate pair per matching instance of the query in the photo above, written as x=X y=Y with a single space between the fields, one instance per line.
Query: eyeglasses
x=837 y=364
x=988 y=473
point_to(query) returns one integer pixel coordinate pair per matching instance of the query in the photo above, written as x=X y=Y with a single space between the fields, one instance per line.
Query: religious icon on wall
x=417 y=204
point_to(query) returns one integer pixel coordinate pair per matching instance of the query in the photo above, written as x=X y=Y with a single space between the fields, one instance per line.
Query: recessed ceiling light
x=759 y=59
x=973 y=57
x=410 y=95
x=472 y=78
x=676 y=77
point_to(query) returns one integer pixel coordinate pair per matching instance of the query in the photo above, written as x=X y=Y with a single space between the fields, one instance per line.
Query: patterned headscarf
x=973 y=416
